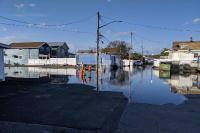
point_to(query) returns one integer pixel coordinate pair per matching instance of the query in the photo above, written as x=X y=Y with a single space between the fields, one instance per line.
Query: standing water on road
x=139 y=85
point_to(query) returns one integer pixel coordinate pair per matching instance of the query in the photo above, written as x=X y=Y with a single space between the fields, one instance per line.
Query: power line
x=48 y=25
x=41 y=27
x=156 y=27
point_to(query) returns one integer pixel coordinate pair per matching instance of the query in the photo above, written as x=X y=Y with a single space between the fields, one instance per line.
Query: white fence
x=127 y=62
x=53 y=61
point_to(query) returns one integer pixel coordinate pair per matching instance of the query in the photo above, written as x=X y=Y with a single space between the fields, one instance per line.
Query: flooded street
x=139 y=85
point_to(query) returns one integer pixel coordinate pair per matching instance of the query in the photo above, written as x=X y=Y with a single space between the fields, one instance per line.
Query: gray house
x=20 y=53
x=59 y=49
x=2 y=46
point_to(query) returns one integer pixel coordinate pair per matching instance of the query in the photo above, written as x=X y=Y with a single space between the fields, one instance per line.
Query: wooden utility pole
x=130 y=49
x=97 y=63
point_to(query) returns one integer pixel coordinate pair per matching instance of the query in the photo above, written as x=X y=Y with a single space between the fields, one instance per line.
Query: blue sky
x=170 y=14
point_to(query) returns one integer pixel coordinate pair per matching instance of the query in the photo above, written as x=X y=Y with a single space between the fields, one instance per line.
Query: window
x=20 y=57
x=48 y=49
x=195 y=55
x=15 y=56
x=183 y=46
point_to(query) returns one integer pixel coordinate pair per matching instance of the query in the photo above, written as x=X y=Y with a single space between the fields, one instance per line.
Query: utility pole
x=130 y=68
x=97 y=63
x=130 y=49
x=98 y=35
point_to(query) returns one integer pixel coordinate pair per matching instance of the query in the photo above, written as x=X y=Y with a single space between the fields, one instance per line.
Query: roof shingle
x=27 y=44
x=192 y=45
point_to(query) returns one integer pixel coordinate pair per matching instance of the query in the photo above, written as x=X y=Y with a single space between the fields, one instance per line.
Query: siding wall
x=104 y=59
x=25 y=54
x=1 y=65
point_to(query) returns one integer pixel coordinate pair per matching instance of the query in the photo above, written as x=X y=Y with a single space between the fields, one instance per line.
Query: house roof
x=3 y=45
x=86 y=51
x=188 y=45
x=57 y=44
x=27 y=44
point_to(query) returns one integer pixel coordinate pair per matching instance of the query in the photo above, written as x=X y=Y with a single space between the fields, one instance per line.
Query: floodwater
x=139 y=84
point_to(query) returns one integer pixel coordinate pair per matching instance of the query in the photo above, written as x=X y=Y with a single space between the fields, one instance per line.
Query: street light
x=98 y=35
x=110 y=23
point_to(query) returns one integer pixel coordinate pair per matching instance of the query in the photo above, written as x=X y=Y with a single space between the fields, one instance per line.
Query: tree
x=164 y=52
x=136 y=56
x=117 y=47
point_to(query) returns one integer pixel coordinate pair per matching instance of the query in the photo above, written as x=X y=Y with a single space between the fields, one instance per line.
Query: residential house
x=2 y=46
x=187 y=46
x=185 y=51
x=88 y=57
x=59 y=49
x=20 y=53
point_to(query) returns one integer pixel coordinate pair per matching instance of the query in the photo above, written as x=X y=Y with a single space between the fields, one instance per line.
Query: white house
x=20 y=53
x=2 y=46
x=186 y=52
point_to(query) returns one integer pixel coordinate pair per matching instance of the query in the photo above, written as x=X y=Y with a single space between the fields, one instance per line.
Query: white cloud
x=30 y=25
x=108 y=0
x=19 y=6
x=30 y=15
x=117 y=34
x=185 y=24
x=196 y=20
x=32 y=5
x=122 y=33
x=42 y=25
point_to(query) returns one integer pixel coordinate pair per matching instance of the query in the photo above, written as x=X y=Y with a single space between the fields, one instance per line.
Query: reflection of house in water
x=119 y=77
x=184 y=84
x=22 y=72
x=53 y=71
x=57 y=76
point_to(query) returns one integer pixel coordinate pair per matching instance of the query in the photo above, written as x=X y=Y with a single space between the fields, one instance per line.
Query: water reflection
x=55 y=76
x=140 y=84
x=184 y=84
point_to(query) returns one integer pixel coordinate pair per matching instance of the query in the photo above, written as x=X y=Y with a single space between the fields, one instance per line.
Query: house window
x=20 y=57
x=183 y=46
x=48 y=49
x=42 y=49
x=15 y=56
x=195 y=55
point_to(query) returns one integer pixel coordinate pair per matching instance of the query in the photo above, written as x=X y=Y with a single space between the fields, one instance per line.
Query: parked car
x=138 y=63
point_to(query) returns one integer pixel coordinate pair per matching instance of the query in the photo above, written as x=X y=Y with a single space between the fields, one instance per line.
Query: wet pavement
x=57 y=100
x=72 y=106
x=169 y=118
